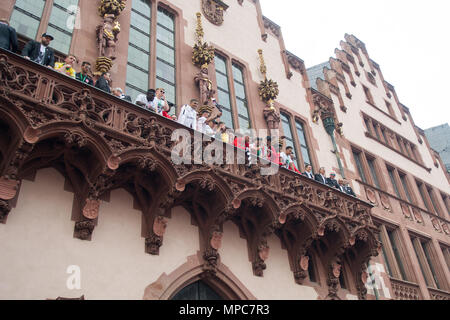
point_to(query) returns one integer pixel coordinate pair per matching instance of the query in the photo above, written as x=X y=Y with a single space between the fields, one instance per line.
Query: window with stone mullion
x=241 y=98
x=306 y=156
x=137 y=80
x=58 y=25
x=26 y=17
x=223 y=92
x=285 y=120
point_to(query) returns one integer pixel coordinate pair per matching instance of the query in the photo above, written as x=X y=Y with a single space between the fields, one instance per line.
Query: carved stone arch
x=258 y=197
x=335 y=223
x=79 y=135
x=224 y=282
x=209 y=180
x=152 y=160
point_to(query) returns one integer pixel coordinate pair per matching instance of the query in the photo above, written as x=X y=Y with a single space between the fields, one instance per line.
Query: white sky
x=409 y=39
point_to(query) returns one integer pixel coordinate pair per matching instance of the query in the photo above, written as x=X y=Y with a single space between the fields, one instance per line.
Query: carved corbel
x=155 y=240
x=262 y=255
x=211 y=254
x=84 y=229
x=334 y=272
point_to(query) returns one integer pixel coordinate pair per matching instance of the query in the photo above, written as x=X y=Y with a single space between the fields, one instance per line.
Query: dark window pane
x=405 y=187
x=395 y=248
x=357 y=157
x=394 y=184
x=373 y=172
x=62 y=40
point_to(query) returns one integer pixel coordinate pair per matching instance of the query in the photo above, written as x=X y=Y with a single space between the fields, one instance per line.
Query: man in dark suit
x=332 y=182
x=348 y=190
x=321 y=177
x=40 y=52
x=308 y=173
x=8 y=36
x=103 y=82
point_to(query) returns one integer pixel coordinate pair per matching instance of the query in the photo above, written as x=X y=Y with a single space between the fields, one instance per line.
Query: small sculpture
x=107 y=37
x=205 y=85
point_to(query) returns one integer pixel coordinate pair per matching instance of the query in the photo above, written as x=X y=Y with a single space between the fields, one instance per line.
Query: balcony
x=437 y=294
x=404 y=290
x=101 y=143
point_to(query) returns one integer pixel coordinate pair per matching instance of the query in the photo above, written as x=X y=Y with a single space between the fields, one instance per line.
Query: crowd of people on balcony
x=191 y=115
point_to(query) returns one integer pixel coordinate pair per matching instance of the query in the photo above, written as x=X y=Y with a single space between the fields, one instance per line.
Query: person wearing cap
x=40 y=52
x=332 y=182
x=8 y=36
x=188 y=114
x=347 y=189
x=66 y=67
x=146 y=100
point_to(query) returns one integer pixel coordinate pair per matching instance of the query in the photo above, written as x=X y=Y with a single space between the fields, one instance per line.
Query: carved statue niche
x=205 y=85
x=107 y=37
x=272 y=117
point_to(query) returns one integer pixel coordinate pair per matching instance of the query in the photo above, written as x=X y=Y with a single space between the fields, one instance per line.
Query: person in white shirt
x=146 y=100
x=201 y=122
x=308 y=172
x=285 y=158
x=188 y=114
x=160 y=102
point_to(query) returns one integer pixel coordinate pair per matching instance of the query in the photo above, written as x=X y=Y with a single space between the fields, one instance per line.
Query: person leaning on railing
x=40 y=52
x=66 y=67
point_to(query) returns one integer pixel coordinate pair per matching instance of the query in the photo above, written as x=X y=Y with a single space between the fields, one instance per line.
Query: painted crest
x=213 y=11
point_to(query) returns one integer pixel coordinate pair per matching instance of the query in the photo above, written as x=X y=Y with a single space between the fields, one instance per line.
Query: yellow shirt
x=69 y=72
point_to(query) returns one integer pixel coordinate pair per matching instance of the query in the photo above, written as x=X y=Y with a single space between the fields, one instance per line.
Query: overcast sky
x=409 y=39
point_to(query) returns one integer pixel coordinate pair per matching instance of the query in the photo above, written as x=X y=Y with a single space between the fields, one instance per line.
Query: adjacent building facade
x=439 y=138
x=92 y=204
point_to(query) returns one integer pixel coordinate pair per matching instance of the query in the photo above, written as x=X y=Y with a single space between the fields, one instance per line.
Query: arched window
x=197 y=291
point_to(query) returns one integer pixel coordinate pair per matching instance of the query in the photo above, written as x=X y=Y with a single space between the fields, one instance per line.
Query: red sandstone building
x=88 y=190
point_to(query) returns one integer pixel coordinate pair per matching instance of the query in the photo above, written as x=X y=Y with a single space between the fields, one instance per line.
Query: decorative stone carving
x=272 y=117
x=113 y=7
x=216 y=240
x=5 y=208
x=205 y=85
x=445 y=228
x=152 y=244
x=91 y=209
x=417 y=216
x=436 y=224
x=8 y=188
x=371 y=196
x=385 y=202
x=119 y=151
x=84 y=229
x=159 y=226
x=405 y=210
x=107 y=37
x=213 y=11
